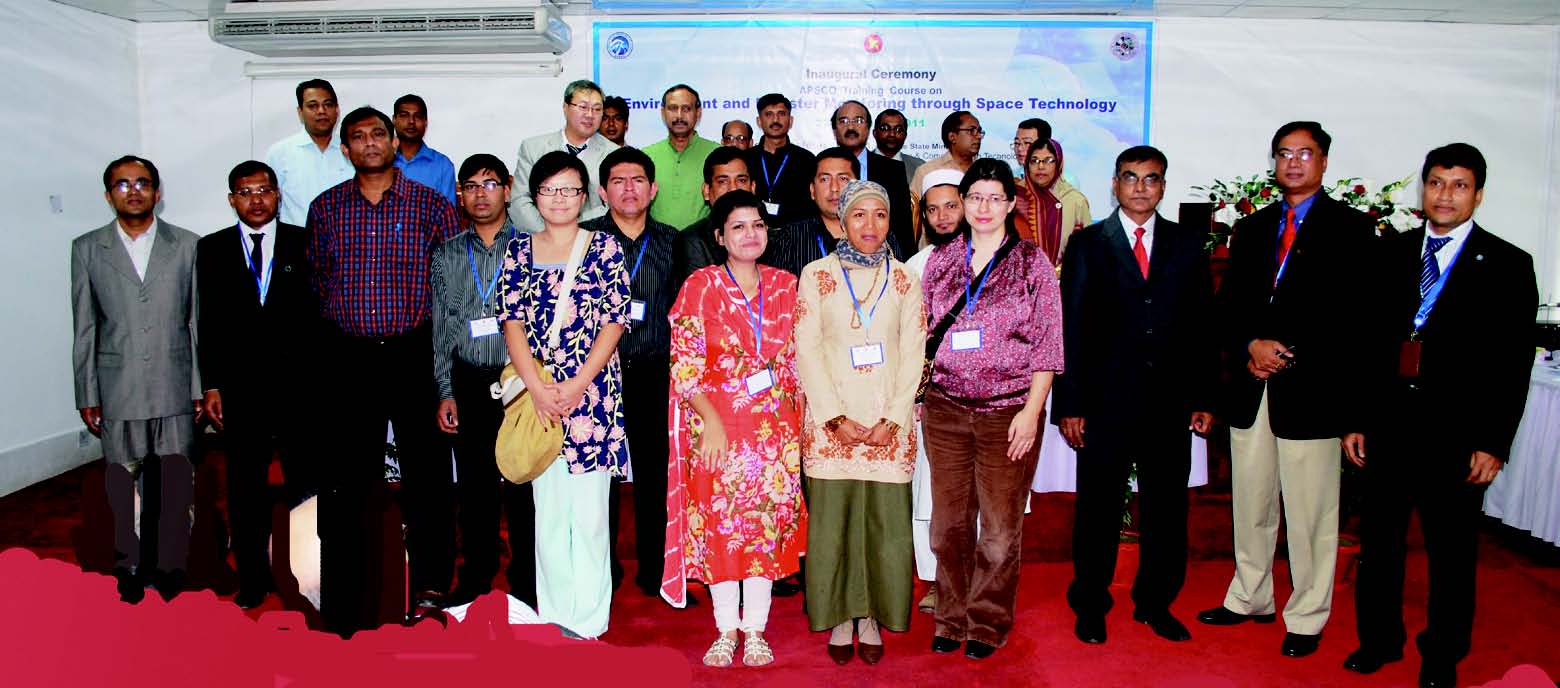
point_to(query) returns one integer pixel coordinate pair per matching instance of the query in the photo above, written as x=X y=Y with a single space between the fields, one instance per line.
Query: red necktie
x=1140 y=252
x=1285 y=241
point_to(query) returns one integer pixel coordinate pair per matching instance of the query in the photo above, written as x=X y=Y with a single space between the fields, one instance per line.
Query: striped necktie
x=1432 y=267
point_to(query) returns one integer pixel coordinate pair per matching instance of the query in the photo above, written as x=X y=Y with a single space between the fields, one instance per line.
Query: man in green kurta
x=679 y=160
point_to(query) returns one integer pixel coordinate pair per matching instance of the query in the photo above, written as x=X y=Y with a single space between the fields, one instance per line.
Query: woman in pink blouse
x=994 y=301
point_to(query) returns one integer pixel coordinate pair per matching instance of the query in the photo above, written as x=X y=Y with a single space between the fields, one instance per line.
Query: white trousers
x=573 y=565
x=1305 y=474
x=745 y=606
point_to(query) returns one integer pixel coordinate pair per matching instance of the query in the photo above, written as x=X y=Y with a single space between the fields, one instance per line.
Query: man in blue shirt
x=417 y=160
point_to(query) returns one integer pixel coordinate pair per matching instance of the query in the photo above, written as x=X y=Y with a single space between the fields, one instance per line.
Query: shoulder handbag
x=935 y=336
x=525 y=447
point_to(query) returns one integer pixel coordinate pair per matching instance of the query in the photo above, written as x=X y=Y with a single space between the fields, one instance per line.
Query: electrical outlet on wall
x=57 y=206
x=83 y=438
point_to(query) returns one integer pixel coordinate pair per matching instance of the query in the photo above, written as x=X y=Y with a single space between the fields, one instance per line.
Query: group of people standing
x=837 y=368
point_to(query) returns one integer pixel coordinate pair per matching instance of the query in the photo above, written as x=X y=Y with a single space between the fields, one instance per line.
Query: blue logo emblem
x=619 y=45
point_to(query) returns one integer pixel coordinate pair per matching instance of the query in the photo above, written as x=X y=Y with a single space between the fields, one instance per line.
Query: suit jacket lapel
x=162 y=253
x=118 y=256
x=1165 y=233
x=1116 y=238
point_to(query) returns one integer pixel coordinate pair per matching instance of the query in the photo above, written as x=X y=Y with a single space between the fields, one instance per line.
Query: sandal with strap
x=721 y=652
x=755 y=650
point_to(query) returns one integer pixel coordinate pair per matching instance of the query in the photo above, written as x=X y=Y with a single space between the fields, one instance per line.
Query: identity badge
x=636 y=310
x=484 y=327
x=772 y=208
x=759 y=381
x=866 y=355
x=965 y=340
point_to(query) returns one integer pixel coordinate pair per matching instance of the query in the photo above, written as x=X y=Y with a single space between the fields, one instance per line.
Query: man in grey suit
x=581 y=114
x=133 y=302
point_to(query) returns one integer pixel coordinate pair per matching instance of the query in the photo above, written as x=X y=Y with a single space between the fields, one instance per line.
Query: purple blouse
x=1018 y=313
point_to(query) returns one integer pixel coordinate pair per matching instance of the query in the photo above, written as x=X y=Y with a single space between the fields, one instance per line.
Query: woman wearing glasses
x=1055 y=208
x=570 y=273
x=860 y=339
x=735 y=517
x=996 y=317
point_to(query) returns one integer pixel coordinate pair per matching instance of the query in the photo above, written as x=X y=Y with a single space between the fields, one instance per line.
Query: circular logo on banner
x=619 y=45
x=1124 y=46
x=873 y=43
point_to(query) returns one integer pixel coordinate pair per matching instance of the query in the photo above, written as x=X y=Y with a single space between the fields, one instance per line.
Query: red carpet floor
x=1518 y=623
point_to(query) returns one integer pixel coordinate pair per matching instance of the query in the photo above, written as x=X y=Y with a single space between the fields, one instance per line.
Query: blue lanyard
x=1280 y=274
x=262 y=283
x=644 y=241
x=866 y=318
x=769 y=184
x=477 y=276
x=758 y=325
x=970 y=299
x=821 y=250
x=1427 y=302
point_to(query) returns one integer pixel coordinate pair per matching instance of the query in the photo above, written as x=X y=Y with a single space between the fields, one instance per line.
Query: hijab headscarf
x=853 y=193
x=1045 y=212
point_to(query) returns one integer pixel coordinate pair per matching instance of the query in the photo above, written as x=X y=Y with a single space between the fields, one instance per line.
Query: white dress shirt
x=1130 y=227
x=267 y=251
x=1450 y=248
x=140 y=248
x=303 y=171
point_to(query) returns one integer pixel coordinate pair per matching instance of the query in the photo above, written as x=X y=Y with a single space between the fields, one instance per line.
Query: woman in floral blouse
x=860 y=340
x=735 y=517
x=990 y=377
x=582 y=389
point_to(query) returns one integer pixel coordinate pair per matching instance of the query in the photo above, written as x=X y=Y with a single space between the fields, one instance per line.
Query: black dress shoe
x=1298 y=645
x=1164 y=625
x=130 y=587
x=1363 y=661
x=785 y=587
x=168 y=583
x=841 y=654
x=1437 y=675
x=943 y=646
x=975 y=649
x=1090 y=629
x=1222 y=616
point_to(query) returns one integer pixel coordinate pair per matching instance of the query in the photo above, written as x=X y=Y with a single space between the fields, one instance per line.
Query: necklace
x=855 y=311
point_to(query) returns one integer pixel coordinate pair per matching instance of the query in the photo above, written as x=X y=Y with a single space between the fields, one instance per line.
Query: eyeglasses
x=124 y=185
x=972 y=131
x=858 y=119
x=886 y=129
x=1305 y=154
x=981 y=199
x=484 y=185
x=1151 y=181
x=564 y=191
x=254 y=191
x=1043 y=162
x=592 y=109
x=735 y=138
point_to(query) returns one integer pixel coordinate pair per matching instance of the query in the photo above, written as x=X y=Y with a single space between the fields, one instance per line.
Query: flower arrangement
x=1241 y=196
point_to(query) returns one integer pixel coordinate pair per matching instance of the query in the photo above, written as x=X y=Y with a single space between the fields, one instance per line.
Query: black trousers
x=379 y=380
x=645 y=389
x=1402 y=473
x=481 y=492
x=1161 y=448
x=256 y=427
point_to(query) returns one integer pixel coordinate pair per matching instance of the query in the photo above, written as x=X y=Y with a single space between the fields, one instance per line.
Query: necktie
x=1140 y=252
x=575 y=150
x=1432 y=267
x=1285 y=240
x=256 y=257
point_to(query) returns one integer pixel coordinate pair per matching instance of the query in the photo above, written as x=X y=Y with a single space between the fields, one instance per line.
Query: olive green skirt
x=860 y=555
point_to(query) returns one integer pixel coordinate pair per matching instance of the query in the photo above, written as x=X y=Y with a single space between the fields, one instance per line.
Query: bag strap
x=570 y=272
x=935 y=336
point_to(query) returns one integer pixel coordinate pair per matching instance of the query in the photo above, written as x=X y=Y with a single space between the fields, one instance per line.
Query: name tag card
x=866 y=355
x=964 y=340
x=760 y=381
x=771 y=208
x=484 y=327
x=1408 y=360
x=636 y=310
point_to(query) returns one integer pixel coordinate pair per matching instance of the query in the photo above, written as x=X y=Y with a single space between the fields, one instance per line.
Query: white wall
x=1388 y=92
x=70 y=107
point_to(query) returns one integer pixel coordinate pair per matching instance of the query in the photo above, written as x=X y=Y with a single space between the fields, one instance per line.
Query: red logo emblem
x=873 y=43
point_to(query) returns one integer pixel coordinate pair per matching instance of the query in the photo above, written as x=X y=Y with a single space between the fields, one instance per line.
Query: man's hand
x=1072 y=431
x=1266 y=357
x=1354 y=448
x=200 y=410
x=214 y=407
x=449 y=421
x=92 y=417
x=1201 y=422
x=1484 y=468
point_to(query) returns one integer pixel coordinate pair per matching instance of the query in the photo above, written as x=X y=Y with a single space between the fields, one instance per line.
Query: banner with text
x=1090 y=79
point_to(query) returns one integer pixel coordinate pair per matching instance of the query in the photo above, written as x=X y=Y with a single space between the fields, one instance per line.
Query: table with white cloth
x=1058 y=467
x=1526 y=493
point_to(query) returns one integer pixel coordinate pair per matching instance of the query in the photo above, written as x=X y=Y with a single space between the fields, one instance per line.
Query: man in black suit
x=1450 y=385
x=1136 y=299
x=257 y=323
x=851 y=122
x=1292 y=307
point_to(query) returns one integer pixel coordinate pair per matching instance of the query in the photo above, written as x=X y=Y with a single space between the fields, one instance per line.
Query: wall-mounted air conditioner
x=316 y=28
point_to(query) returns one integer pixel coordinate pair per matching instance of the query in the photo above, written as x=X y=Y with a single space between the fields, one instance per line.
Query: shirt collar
x=508 y=230
x=424 y=152
x=125 y=236
x=1129 y=225
x=269 y=228
x=1457 y=235
x=1302 y=207
x=305 y=140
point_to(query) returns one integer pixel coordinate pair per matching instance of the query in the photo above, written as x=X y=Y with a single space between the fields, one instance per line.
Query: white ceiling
x=1464 y=11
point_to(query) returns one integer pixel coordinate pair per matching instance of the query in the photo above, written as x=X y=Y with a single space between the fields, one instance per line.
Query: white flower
x=1227 y=215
